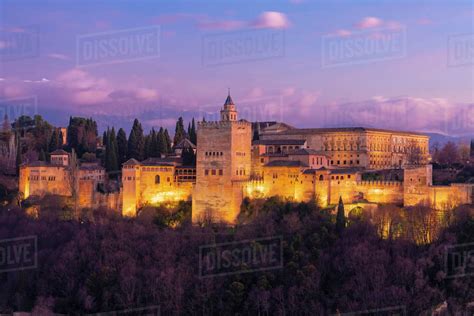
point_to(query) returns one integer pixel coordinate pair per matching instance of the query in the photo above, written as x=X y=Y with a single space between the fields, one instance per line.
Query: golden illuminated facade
x=223 y=164
x=297 y=164
x=154 y=181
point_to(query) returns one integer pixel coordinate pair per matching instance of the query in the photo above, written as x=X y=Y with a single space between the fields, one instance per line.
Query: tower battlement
x=217 y=124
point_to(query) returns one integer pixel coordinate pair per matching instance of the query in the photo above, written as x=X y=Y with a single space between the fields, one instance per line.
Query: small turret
x=228 y=112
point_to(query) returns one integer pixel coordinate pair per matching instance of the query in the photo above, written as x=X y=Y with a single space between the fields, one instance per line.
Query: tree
x=55 y=142
x=5 y=124
x=192 y=133
x=121 y=146
x=167 y=141
x=449 y=154
x=111 y=162
x=82 y=135
x=42 y=156
x=340 y=217
x=72 y=177
x=136 y=142
x=415 y=154
x=179 y=132
x=162 y=141
x=18 y=160
x=471 y=155
x=189 y=157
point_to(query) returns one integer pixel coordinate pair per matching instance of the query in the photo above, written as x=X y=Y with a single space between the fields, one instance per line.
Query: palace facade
x=321 y=164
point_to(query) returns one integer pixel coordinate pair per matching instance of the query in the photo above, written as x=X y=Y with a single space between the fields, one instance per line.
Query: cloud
x=81 y=87
x=58 y=56
x=369 y=22
x=272 y=20
x=342 y=33
x=134 y=94
x=268 y=19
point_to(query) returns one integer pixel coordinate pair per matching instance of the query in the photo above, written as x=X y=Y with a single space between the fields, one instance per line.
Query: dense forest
x=103 y=262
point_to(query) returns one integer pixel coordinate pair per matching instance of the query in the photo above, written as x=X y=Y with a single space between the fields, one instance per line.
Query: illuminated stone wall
x=418 y=189
x=223 y=168
x=41 y=180
x=292 y=183
x=151 y=185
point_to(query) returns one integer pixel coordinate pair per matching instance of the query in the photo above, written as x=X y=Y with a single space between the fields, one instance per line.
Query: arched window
x=321 y=177
x=157 y=179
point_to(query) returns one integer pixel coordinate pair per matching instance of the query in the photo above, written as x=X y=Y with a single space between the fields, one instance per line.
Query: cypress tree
x=42 y=156
x=179 y=132
x=193 y=134
x=54 y=142
x=104 y=138
x=162 y=148
x=167 y=141
x=136 y=141
x=18 y=160
x=147 y=151
x=471 y=154
x=340 y=217
x=121 y=146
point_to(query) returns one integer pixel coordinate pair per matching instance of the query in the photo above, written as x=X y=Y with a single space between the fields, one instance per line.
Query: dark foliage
x=104 y=263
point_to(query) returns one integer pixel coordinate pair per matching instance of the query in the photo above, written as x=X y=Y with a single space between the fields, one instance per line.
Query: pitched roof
x=185 y=143
x=286 y=163
x=229 y=101
x=306 y=131
x=279 y=142
x=167 y=161
x=59 y=152
x=345 y=170
x=304 y=152
x=131 y=162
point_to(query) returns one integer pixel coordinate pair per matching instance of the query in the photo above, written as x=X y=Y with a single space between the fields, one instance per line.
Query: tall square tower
x=223 y=166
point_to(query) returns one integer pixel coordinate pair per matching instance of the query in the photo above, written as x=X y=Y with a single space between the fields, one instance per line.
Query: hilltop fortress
x=319 y=164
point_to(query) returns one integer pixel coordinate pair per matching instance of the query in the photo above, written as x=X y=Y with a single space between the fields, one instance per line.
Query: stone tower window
x=157 y=179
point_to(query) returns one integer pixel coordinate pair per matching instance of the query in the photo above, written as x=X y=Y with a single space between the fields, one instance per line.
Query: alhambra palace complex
x=299 y=164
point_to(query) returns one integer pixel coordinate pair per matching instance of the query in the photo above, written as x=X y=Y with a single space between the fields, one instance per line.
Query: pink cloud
x=272 y=20
x=342 y=33
x=369 y=22
x=58 y=56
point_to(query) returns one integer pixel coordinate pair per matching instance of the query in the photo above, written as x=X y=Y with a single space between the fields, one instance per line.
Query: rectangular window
x=206 y=172
x=213 y=172
x=221 y=172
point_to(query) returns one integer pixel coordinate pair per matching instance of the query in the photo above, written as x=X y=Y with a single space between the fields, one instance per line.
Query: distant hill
x=443 y=139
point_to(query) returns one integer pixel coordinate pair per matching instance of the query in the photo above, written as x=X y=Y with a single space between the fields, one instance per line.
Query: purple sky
x=421 y=79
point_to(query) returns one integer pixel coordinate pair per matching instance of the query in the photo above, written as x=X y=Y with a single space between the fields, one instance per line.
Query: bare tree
x=415 y=154
x=72 y=177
